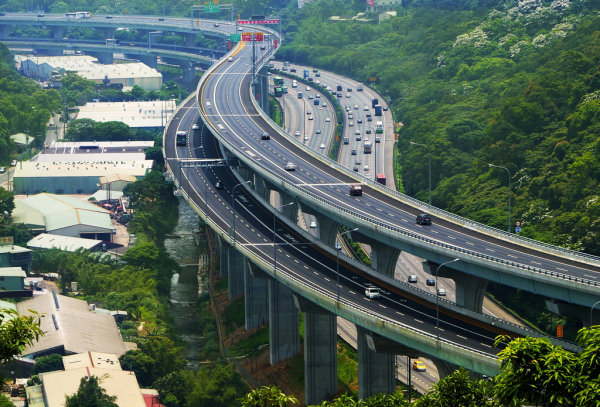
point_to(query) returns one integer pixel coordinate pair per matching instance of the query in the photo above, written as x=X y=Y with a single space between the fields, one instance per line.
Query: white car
x=350 y=124
x=441 y=292
x=348 y=95
x=305 y=138
x=322 y=145
x=372 y=292
x=297 y=134
x=230 y=59
x=366 y=108
x=313 y=224
x=307 y=88
x=366 y=168
x=412 y=278
x=355 y=107
x=290 y=167
x=327 y=119
x=310 y=118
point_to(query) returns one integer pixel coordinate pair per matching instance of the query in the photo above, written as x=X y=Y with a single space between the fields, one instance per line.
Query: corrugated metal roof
x=91 y=359
x=82 y=158
x=66 y=243
x=60 y=211
x=69 y=323
x=103 y=144
x=33 y=169
x=154 y=113
x=12 y=272
x=13 y=249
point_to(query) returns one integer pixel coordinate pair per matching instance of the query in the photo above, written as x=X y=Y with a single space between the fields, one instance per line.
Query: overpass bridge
x=290 y=258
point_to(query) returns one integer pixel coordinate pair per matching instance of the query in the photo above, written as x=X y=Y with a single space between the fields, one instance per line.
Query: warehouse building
x=15 y=256
x=71 y=151
x=64 y=243
x=12 y=278
x=128 y=74
x=70 y=326
x=31 y=177
x=148 y=115
x=65 y=216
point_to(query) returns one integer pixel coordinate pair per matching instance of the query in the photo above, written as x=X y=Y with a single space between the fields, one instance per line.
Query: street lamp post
x=429 y=150
x=275 y=234
x=509 y=191
x=337 y=262
x=592 y=309
x=233 y=205
x=437 y=298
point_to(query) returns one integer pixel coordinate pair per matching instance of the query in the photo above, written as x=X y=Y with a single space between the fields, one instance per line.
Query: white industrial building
x=127 y=74
x=71 y=151
x=64 y=243
x=63 y=215
x=32 y=177
x=148 y=115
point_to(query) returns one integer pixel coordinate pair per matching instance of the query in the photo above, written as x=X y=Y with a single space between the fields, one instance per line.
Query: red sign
x=559 y=331
x=228 y=45
x=370 y=3
x=258 y=22
x=247 y=37
x=275 y=42
x=258 y=36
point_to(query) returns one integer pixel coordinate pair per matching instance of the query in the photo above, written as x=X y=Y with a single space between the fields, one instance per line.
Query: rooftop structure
x=65 y=243
x=129 y=74
x=116 y=382
x=72 y=177
x=70 y=327
x=15 y=256
x=22 y=139
x=63 y=215
x=12 y=278
x=145 y=115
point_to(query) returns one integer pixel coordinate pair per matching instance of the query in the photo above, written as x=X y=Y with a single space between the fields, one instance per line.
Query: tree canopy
x=90 y=394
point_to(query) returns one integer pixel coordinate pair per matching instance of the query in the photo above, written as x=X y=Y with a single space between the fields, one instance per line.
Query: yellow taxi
x=418 y=366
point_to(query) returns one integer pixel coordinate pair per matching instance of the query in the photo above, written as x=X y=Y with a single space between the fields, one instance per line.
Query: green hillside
x=515 y=84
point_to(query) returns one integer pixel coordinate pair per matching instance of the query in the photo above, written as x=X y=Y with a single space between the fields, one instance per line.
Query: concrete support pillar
x=103 y=57
x=284 y=337
x=261 y=187
x=188 y=73
x=376 y=371
x=327 y=227
x=289 y=211
x=320 y=352
x=256 y=297
x=190 y=39
x=108 y=32
x=223 y=258
x=58 y=32
x=470 y=290
x=236 y=271
x=149 y=60
x=5 y=30
x=261 y=90
x=444 y=368
x=383 y=257
x=584 y=314
x=245 y=172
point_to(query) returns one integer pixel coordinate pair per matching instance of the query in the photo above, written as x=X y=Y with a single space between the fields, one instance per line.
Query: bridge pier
x=149 y=60
x=443 y=367
x=320 y=352
x=58 y=32
x=189 y=73
x=256 y=298
x=289 y=211
x=260 y=186
x=327 y=227
x=376 y=364
x=108 y=32
x=235 y=273
x=284 y=337
x=261 y=90
x=383 y=257
x=190 y=39
x=4 y=30
x=582 y=314
x=470 y=290
x=103 y=57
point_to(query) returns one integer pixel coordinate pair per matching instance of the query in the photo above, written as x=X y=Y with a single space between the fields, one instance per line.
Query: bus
x=367 y=147
x=112 y=41
x=79 y=14
x=278 y=81
x=181 y=138
x=379 y=127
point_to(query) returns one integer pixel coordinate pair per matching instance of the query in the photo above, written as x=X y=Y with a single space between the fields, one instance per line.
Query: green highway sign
x=211 y=7
x=235 y=37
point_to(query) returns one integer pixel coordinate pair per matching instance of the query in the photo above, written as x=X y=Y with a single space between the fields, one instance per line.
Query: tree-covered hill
x=515 y=84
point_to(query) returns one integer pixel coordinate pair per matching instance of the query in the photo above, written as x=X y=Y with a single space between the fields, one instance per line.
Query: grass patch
x=398 y=169
x=233 y=316
x=276 y=111
x=251 y=346
x=347 y=368
x=296 y=371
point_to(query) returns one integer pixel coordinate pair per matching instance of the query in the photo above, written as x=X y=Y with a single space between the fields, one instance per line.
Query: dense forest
x=514 y=84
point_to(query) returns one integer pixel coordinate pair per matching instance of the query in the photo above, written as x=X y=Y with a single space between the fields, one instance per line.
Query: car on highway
x=356 y=190
x=423 y=219
x=327 y=119
x=338 y=245
x=265 y=136
x=350 y=116
x=317 y=96
x=318 y=131
x=307 y=88
x=353 y=152
x=358 y=137
x=355 y=168
x=229 y=59
x=219 y=185
x=262 y=47
x=366 y=108
x=419 y=366
x=297 y=134
x=359 y=88
x=348 y=95
x=308 y=112
x=292 y=69
x=310 y=96
x=357 y=132
x=366 y=168
x=2 y=170
x=310 y=118
x=368 y=131
x=355 y=107
x=372 y=292
x=441 y=292
x=322 y=145
x=349 y=89
x=430 y=281
x=358 y=161
x=385 y=108
x=359 y=121
x=216 y=25
x=313 y=224
x=323 y=104
x=290 y=166
x=41 y=15
x=412 y=278
x=350 y=124
x=317 y=74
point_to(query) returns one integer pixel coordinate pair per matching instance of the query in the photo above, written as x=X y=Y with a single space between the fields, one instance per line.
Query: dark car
x=292 y=69
x=424 y=219
x=108 y=16
x=430 y=281
x=265 y=136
